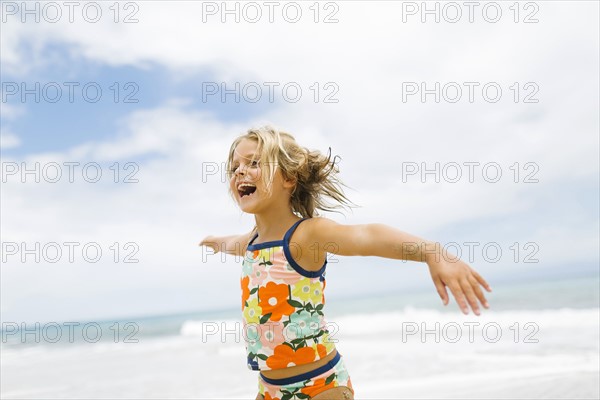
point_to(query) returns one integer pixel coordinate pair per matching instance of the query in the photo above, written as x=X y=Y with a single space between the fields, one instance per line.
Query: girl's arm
x=384 y=241
x=232 y=244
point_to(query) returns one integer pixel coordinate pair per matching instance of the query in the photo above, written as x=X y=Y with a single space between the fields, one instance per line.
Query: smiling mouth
x=246 y=189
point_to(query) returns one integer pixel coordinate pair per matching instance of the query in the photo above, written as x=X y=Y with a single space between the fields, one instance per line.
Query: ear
x=289 y=183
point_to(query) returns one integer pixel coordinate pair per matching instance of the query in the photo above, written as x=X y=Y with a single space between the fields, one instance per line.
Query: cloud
x=368 y=55
x=10 y=112
x=9 y=140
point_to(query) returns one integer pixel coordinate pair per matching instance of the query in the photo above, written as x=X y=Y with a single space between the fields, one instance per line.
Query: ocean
x=538 y=340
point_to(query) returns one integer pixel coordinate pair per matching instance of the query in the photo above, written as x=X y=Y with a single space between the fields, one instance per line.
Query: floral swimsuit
x=284 y=324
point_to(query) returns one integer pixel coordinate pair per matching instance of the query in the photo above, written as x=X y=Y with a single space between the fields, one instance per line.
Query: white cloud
x=9 y=140
x=9 y=111
x=368 y=54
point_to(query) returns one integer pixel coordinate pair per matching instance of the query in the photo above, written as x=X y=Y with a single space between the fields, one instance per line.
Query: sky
x=127 y=111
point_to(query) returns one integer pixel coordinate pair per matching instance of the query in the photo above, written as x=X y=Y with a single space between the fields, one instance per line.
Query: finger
x=482 y=281
x=478 y=292
x=470 y=294
x=459 y=296
x=211 y=245
x=441 y=289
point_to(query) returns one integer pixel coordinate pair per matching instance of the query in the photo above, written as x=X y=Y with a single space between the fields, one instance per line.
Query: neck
x=272 y=223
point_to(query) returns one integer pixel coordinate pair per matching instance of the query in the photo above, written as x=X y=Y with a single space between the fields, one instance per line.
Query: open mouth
x=246 y=189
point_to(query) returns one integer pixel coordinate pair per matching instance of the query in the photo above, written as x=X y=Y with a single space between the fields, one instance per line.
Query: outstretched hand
x=462 y=280
x=210 y=243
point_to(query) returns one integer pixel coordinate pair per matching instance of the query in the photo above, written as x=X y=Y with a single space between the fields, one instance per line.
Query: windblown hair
x=314 y=173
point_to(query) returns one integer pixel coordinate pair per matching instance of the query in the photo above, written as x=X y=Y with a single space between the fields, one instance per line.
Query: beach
x=407 y=353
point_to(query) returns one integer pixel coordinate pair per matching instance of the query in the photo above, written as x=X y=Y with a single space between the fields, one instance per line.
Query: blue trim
x=304 y=376
x=265 y=245
x=288 y=255
x=286 y=250
x=253 y=239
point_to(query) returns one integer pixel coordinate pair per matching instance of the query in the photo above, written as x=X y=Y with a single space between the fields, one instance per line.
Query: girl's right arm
x=233 y=244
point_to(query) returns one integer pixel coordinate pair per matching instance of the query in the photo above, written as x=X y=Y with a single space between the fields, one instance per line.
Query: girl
x=283 y=270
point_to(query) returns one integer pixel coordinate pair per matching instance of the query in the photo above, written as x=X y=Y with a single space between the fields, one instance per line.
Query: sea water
x=539 y=339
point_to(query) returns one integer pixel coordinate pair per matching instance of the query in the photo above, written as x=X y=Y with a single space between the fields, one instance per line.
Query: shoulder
x=306 y=248
x=325 y=235
x=315 y=232
x=318 y=228
x=318 y=222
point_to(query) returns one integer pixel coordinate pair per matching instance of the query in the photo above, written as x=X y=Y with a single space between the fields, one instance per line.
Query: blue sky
x=53 y=126
x=171 y=133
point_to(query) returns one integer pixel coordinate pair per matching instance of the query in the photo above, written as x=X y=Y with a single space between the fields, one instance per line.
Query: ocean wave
x=563 y=317
x=551 y=328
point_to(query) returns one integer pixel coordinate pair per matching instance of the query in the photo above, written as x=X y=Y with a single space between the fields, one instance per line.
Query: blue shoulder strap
x=288 y=234
x=253 y=239
x=286 y=250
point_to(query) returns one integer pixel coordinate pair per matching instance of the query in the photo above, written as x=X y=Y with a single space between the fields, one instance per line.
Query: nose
x=239 y=171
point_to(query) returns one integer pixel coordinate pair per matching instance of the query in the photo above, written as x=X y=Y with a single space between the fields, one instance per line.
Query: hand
x=211 y=243
x=464 y=282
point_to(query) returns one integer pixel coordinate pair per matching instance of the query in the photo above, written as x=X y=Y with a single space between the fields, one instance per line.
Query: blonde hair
x=314 y=173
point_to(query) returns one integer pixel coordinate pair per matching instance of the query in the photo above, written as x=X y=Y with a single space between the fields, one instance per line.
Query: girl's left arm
x=384 y=241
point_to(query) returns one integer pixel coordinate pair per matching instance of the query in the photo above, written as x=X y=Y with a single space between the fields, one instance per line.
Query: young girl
x=283 y=270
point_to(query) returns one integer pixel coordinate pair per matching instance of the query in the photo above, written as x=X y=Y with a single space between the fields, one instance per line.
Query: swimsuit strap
x=292 y=262
x=288 y=234
x=286 y=237
x=253 y=239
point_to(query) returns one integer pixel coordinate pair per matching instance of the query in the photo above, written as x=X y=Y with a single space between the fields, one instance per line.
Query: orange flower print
x=322 y=350
x=273 y=300
x=304 y=355
x=284 y=356
x=245 y=290
x=268 y=396
x=318 y=387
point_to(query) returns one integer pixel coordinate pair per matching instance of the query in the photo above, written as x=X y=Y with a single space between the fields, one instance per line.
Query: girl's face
x=246 y=184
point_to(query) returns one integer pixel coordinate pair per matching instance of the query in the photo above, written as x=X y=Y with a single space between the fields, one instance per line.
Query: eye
x=254 y=163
